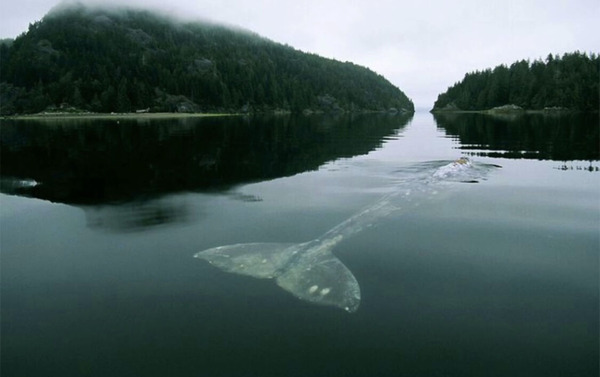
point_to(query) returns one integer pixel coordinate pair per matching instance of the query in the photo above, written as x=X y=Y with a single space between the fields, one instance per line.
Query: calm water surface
x=99 y=222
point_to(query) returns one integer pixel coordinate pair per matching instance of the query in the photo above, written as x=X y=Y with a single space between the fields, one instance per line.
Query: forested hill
x=570 y=82
x=120 y=60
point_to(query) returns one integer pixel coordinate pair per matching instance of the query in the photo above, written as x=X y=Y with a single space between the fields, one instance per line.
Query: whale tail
x=309 y=270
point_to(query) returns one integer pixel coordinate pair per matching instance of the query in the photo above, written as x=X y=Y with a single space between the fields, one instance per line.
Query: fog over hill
x=118 y=59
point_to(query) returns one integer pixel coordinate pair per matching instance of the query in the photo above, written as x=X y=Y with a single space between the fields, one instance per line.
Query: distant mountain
x=567 y=82
x=122 y=59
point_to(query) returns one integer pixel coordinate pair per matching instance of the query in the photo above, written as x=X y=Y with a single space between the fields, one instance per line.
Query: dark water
x=99 y=222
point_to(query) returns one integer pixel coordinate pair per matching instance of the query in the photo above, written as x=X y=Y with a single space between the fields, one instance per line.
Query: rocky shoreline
x=505 y=109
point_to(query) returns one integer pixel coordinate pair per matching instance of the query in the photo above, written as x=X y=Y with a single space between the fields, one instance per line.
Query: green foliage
x=122 y=60
x=570 y=81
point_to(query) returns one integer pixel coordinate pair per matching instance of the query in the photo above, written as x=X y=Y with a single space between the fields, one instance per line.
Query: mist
x=421 y=47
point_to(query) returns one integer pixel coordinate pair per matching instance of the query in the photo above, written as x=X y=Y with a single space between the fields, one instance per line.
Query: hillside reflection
x=533 y=136
x=103 y=162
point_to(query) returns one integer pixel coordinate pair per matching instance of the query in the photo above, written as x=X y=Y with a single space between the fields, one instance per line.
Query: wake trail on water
x=310 y=271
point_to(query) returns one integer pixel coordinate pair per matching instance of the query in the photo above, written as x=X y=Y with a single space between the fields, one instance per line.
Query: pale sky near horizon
x=422 y=47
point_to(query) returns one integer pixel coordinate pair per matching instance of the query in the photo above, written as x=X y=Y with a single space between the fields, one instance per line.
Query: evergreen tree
x=570 y=81
x=120 y=60
x=123 y=103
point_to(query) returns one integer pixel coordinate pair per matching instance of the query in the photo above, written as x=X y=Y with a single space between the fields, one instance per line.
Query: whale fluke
x=259 y=260
x=319 y=277
x=309 y=270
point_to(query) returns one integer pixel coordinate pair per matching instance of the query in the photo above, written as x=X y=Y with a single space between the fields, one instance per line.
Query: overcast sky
x=421 y=46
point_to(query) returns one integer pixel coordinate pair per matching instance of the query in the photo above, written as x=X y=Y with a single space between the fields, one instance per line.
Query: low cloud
x=422 y=47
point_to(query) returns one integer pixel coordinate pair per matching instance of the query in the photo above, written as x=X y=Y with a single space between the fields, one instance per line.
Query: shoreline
x=117 y=116
x=504 y=111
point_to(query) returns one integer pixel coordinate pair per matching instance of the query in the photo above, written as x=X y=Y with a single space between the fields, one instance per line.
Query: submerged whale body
x=309 y=270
